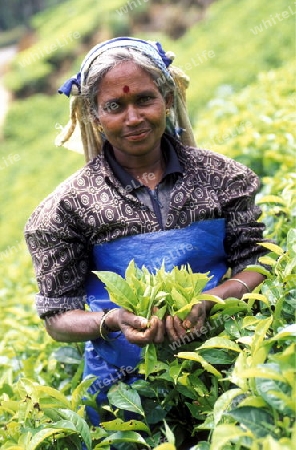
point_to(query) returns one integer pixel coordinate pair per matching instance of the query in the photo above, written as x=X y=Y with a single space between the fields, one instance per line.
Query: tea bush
x=255 y=126
x=244 y=37
x=29 y=157
x=233 y=386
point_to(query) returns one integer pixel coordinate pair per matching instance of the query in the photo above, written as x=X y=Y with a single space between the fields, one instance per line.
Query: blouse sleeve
x=60 y=258
x=244 y=232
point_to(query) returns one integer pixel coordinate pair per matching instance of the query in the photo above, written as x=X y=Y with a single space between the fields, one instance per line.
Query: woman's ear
x=169 y=100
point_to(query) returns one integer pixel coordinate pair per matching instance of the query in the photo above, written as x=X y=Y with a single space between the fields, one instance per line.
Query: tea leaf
x=196 y=357
x=287 y=332
x=224 y=402
x=124 y=436
x=223 y=434
x=212 y=298
x=150 y=359
x=80 y=391
x=119 y=290
x=125 y=398
x=258 y=421
x=262 y=372
x=165 y=446
x=80 y=425
x=277 y=394
x=271 y=199
x=178 y=298
x=169 y=434
x=260 y=333
x=272 y=247
x=121 y=425
x=54 y=398
x=257 y=268
x=219 y=342
x=257 y=296
x=184 y=311
x=267 y=260
x=42 y=435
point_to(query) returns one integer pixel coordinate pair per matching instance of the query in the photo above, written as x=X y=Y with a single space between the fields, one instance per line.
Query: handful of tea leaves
x=161 y=293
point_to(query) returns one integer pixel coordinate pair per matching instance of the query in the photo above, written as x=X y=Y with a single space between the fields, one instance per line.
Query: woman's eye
x=110 y=107
x=145 y=99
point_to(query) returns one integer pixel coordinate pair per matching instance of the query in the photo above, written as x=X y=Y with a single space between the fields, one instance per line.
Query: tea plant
x=161 y=293
x=261 y=135
x=237 y=386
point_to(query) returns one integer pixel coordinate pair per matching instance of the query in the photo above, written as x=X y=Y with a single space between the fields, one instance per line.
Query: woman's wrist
x=106 y=328
x=110 y=320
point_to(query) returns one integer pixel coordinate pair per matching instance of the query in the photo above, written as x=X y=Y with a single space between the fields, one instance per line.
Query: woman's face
x=131 y=110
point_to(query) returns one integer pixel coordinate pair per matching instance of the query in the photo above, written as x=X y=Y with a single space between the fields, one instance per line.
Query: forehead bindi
x=126 y=89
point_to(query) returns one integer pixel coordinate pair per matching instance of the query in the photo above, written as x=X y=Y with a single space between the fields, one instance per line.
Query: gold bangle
x=103 y=325
x=241 y=282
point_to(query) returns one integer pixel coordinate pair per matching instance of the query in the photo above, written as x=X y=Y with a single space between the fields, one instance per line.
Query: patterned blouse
x=93 y=206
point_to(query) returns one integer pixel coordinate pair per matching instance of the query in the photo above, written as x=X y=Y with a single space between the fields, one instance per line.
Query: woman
x=146 y=193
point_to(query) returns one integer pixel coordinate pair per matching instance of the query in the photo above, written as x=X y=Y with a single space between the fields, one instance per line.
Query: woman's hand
x=137 y=329
x=176 y=328
x=196 y=319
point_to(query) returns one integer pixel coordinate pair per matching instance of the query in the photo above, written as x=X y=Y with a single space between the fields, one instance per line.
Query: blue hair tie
x=167 y=61
x=66 y=88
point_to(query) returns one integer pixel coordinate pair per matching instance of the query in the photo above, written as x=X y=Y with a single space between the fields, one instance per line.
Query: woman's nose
x=133 y=116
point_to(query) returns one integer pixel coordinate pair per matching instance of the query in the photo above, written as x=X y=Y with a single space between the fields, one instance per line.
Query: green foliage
x=58 y=42
x=277 y=200
x=247 y=401
x=161 y=293
x=12 y=36
x=255 y=126
x=31 y=160
x=228 y=49
x=235 y=383
x=37 y=376
x=17 y=13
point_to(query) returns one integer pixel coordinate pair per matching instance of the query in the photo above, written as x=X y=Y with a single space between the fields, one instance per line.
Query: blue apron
x=200 y=245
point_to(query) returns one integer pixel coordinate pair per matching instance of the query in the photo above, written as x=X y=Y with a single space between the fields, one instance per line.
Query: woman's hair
x=82 y=127
x=112 y=58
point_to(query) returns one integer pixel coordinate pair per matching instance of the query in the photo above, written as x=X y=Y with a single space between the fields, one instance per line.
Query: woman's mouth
x=137 y=135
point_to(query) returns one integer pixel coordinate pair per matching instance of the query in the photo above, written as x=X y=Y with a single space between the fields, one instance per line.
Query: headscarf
x=83 y=135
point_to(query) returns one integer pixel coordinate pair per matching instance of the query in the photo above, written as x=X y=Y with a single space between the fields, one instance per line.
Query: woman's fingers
x=159 y=329
x=196 y=318
x=174 y=328
x=129 y=319
x=140 y=331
